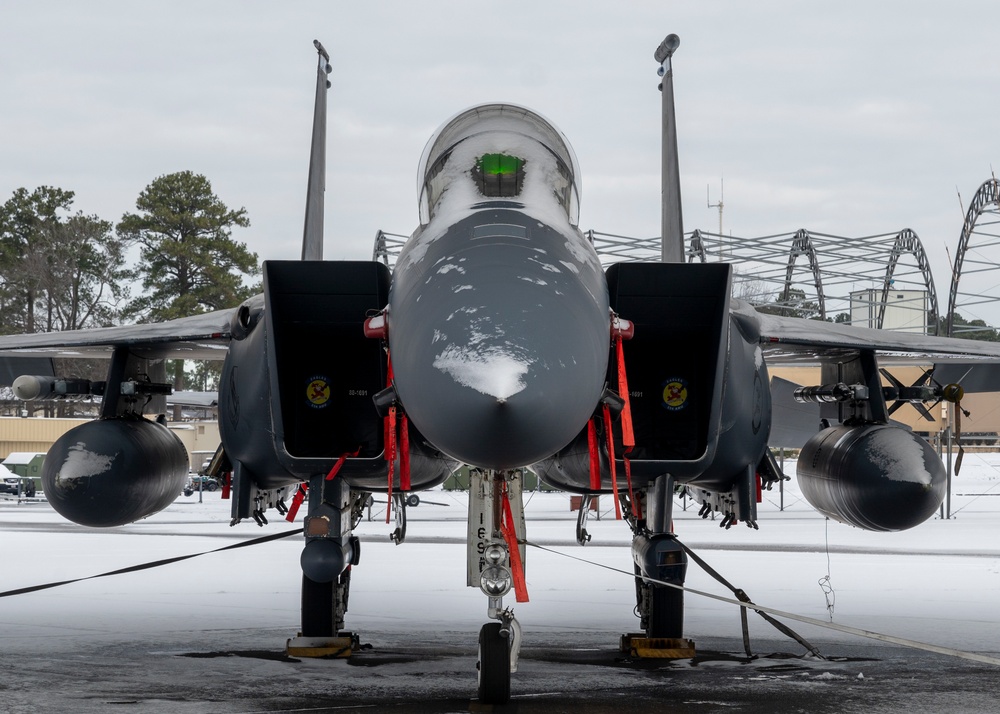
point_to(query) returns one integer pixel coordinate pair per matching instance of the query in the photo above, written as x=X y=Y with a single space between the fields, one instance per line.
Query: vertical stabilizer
x=312 y=236
x=672 y=223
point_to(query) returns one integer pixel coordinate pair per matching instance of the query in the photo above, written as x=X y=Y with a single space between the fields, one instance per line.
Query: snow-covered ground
x=938 y=583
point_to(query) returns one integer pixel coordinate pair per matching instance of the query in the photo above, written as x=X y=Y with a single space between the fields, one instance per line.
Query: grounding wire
x=869 y=634
x=153 y=564
x=824 y=583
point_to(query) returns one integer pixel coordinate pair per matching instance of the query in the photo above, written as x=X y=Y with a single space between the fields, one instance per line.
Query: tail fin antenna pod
x=312 y=235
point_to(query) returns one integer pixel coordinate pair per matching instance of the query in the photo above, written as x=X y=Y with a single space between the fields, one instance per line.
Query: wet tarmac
x=573 y=672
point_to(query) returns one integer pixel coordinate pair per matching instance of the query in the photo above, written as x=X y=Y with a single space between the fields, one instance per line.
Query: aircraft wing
x=794 y=340
x=202 y=400
x=204 y=336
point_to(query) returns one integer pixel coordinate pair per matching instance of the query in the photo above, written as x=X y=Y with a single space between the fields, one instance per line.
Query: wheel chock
x=642 y=647
x=343 y=645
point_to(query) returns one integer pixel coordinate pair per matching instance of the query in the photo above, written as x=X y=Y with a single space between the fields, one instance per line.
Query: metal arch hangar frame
x=987 y=195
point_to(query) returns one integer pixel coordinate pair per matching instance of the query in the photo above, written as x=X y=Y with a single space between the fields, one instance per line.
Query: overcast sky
x=850 y=118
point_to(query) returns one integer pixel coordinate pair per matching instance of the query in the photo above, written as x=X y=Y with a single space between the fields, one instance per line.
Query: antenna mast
x=719 y=205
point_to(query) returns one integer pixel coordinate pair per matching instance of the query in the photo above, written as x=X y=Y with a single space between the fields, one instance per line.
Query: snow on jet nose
x=498 y=320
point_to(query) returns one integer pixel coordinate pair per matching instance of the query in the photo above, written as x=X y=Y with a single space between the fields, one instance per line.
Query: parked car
x=23 y=485
x=202 y=482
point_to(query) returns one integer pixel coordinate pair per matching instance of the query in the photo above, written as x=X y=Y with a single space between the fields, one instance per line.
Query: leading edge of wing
x=798 y=340
x=204 y=336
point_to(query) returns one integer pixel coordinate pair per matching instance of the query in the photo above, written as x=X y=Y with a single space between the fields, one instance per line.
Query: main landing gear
x=330 y=552
x=660 y=568
x=495 y=565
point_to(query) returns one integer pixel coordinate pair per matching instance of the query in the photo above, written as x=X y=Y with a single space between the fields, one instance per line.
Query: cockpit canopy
x=501 y=151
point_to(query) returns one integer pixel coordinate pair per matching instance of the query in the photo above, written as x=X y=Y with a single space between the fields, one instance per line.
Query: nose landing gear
x=499 y=645
x=496 y=523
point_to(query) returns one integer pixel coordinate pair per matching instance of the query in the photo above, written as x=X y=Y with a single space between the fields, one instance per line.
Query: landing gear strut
x=495 y=501
x=329 y=554
x=660 y=568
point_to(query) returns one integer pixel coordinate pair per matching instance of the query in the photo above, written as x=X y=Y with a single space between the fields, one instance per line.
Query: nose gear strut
x=496 y=565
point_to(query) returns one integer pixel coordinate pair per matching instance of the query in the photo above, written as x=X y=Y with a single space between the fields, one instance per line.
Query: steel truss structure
x=387 y=247
x=979 y=233
x=846 y=279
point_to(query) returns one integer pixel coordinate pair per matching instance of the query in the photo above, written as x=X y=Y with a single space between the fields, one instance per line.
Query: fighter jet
x=497 y=342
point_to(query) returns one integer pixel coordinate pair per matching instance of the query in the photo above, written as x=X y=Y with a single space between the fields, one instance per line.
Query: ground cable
x=869 y=634
x=152 y=564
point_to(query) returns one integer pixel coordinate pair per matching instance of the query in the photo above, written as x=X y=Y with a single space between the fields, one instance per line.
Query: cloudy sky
x=851 y=118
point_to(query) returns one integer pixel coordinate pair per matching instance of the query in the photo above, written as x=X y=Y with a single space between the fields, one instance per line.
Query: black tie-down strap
x=743 y=597
x=153 y=564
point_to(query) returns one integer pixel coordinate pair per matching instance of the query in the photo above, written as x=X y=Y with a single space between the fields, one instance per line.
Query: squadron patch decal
x=318 y=392
x=675 y=394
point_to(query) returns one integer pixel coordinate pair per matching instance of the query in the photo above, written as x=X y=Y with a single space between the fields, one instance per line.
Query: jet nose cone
x=492 y=372
x=507 y=397
x=499 y=337
x=502 y=401
x=504 y=431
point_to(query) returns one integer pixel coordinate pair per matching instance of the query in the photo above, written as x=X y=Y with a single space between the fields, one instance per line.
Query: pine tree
x=189 y=262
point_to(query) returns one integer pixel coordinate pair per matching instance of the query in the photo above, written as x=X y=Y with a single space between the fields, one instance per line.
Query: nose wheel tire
x=493 y=665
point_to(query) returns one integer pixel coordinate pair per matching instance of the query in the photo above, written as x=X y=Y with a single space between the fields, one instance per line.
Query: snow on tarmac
x=938 y=583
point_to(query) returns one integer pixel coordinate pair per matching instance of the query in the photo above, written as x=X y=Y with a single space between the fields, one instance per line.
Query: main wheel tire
x=493 y=665
x=666 y=612
x=413 y=500
x=317 y=608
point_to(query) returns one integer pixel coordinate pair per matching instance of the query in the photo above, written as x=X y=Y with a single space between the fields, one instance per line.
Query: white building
x=905 y=310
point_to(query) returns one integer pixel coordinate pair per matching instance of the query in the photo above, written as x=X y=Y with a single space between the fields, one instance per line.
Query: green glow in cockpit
x=499 y=164
x=499 y=175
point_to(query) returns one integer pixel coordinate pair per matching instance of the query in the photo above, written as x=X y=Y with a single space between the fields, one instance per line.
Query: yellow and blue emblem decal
x=318 y=392
x=675 y=394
